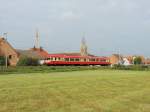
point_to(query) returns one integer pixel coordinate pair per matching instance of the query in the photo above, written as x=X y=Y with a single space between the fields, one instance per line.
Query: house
x=38 y=53
x=126 y=61
x=147 y=61
x=8 y=51
x=116 y=59
x=33 y=53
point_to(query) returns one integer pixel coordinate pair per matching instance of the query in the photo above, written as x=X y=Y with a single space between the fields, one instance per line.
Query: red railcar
x=60 y=59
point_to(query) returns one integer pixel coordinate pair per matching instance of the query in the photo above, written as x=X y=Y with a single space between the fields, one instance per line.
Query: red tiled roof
x=43 y=53
x=34 y=53
x=71 y=54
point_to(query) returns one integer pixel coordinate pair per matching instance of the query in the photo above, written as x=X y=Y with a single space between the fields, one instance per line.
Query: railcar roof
x=71 y=56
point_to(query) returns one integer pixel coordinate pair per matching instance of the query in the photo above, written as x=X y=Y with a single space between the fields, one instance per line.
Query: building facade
x=116 y=59
x=8 y=51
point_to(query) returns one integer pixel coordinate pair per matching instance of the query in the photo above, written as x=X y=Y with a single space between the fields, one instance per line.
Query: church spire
x=83 y=49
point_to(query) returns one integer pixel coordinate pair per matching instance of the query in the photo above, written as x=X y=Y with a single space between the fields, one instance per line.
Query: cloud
x=69 y=15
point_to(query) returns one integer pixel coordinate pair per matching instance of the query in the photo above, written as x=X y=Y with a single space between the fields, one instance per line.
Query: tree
x=137 y=60
x=28 y=61
x=2 y=60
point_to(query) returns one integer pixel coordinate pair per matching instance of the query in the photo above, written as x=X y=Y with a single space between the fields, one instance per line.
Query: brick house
x=116 y=59
x=147 y=61
x=8 y=51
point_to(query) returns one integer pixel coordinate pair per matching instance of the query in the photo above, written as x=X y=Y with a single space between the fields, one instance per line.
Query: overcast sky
x=110 y=26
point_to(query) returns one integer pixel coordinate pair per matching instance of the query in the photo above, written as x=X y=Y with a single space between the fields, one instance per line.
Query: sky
x=109 y=26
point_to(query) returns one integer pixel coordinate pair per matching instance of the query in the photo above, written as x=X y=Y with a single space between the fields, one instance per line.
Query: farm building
x=8 y=51
x=33 y=53
x=37 y=53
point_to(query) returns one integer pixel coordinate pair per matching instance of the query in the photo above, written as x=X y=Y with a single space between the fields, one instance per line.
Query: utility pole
x=119 y=57
x=6 y=57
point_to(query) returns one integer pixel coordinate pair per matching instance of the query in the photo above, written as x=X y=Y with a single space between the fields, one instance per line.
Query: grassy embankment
x=49 y=69
x=46 y=69
x=80 y=91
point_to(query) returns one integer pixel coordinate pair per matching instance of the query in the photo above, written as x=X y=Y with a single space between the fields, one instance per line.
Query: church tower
x=83 y=49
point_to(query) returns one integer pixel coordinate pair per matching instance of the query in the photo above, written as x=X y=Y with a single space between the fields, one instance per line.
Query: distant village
x=13 y=55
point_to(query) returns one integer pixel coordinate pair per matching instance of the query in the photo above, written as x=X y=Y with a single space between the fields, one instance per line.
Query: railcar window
x=66 y=59
x=108 y=60
x=77 y=59
x=103 y=60
x=71 y=59
x=93 y=59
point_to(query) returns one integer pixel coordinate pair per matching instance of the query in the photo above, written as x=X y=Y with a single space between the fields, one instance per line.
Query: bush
x=2 y=60
x=28 y=61
x=131 y=67
x=137 y=61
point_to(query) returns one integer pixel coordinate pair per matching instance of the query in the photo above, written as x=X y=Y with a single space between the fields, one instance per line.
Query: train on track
x=60 y=59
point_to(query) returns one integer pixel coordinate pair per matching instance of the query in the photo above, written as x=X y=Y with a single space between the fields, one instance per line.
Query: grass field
x=80 y=91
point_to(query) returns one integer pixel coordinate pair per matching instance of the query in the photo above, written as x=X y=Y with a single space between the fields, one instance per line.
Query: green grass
x=80 y=91
x=46 y=69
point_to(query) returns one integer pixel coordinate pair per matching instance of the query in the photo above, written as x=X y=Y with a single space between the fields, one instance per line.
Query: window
x=71 y=59
x=10 y=56
x=14 y=56
x=92 y=59
x=103 y=60
x=77 y=59
x=107 y=60
x=66 y=59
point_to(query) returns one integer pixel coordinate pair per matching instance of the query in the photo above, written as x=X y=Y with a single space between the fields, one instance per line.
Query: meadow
x=77 y=91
